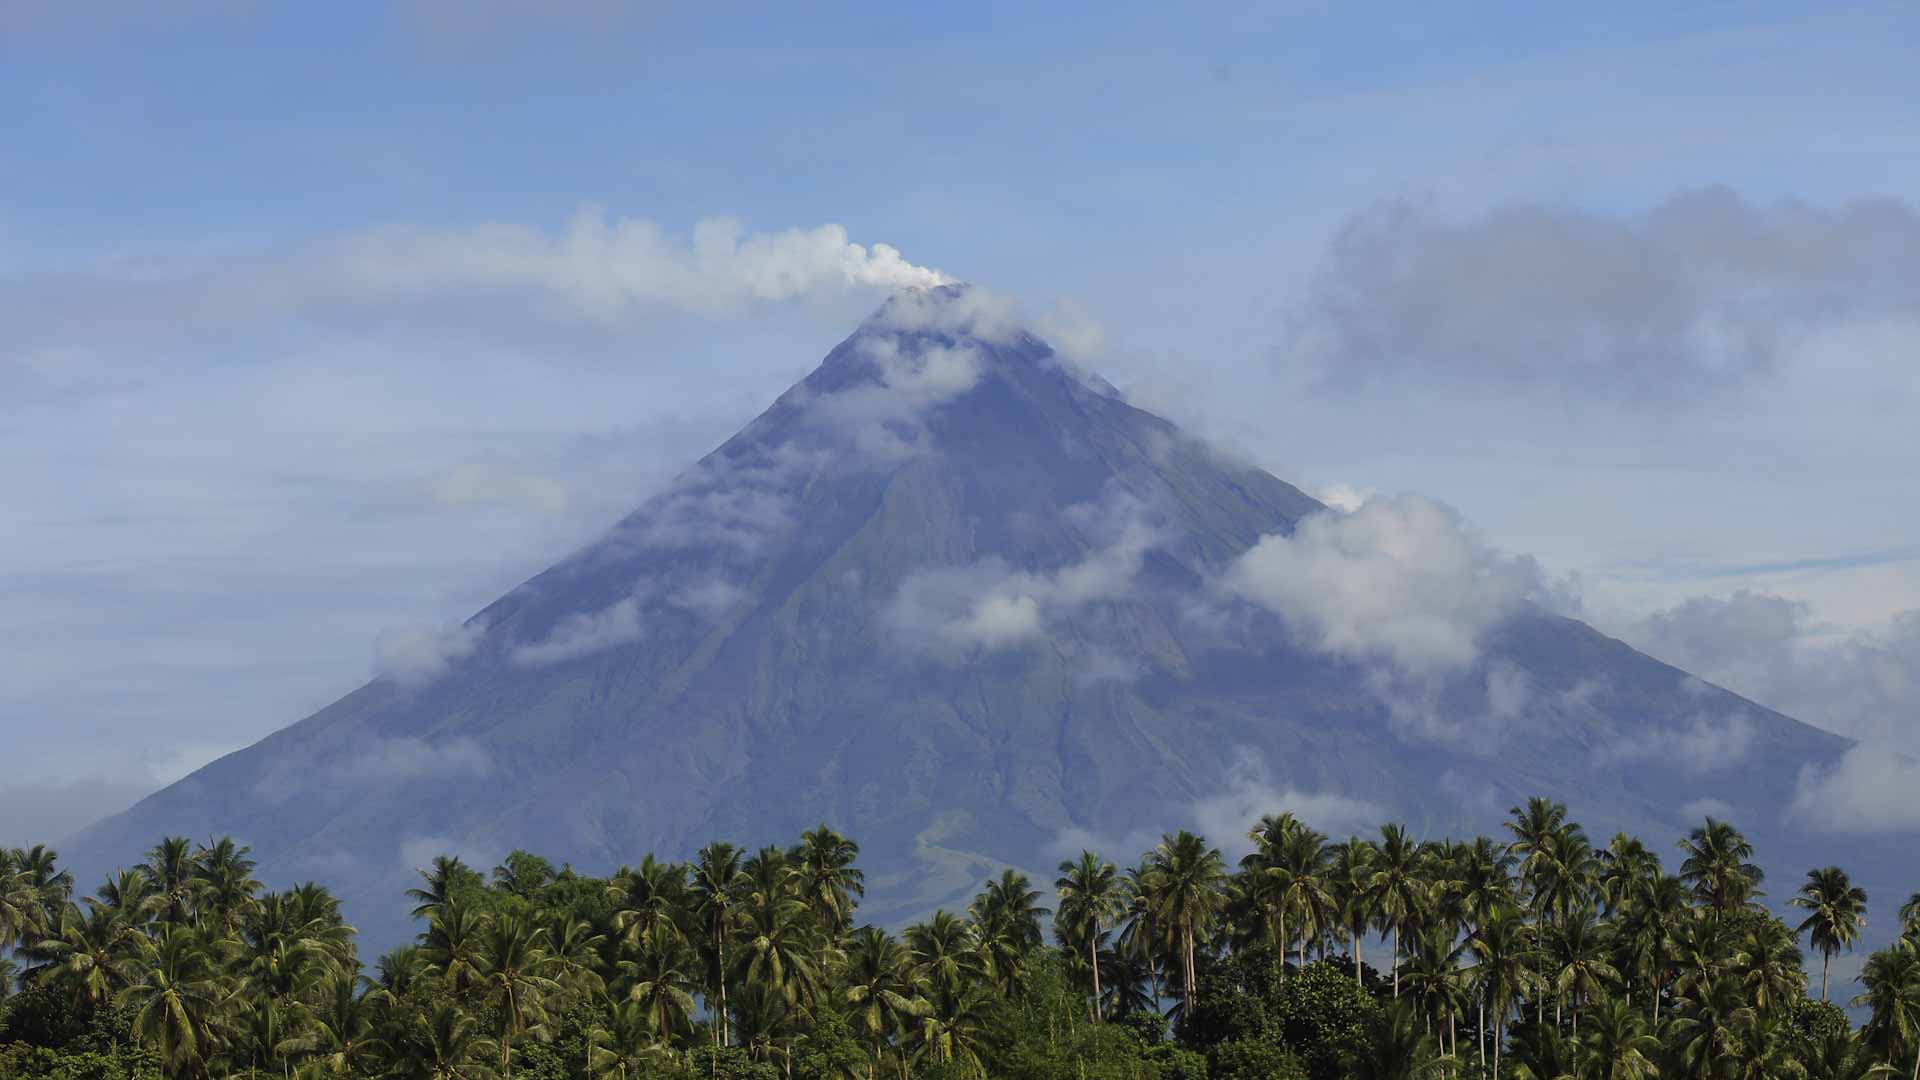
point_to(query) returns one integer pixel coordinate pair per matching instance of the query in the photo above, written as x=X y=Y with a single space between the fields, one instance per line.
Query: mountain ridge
x=965 y=603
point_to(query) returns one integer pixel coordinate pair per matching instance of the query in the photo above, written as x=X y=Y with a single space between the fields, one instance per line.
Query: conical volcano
x=961 y=601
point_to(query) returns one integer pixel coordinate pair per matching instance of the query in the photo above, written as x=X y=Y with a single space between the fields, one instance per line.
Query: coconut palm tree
x=1503 y=971
x=828 y=881
x=439 y=884
x=1351 y=872
x=1891 y=980
x=1299 y=868
x=514 y=966
x=1398 y=886
x=1398 y=1050
x=882 y=987
x=653 y=892
x=659 y=976
x=343 y=1021
x=175 y=875
x=178 y=1000
x=717 y=884
x=782 y=949
x=224 y=884
x=1007 y=915
x=1836 y=911
x=446 y=1044
x=452 y=946
x=626 y=1046
x=1185 y=878
x=1617 y=1045
x=1091 y=897
x=1720 y=868
x=1767 y=963
x=1576 y=952
x=945 y=950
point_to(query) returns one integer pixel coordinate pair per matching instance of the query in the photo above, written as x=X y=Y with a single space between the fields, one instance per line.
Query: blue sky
x=308 y=338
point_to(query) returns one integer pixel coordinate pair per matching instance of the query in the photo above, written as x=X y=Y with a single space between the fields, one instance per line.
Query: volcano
x=958 y=599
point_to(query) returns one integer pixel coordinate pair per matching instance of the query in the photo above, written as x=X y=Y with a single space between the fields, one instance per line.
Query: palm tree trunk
x=1396 y=961
x=1483 y=1032
x=1281 y=945
x=1356 y=952
x=1826 y=958
x=1093 y=959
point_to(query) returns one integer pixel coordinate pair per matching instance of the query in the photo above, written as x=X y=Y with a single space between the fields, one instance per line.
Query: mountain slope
x=969 y=606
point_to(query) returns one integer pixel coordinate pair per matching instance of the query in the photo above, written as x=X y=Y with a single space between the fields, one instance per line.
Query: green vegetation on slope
x=1537 y=955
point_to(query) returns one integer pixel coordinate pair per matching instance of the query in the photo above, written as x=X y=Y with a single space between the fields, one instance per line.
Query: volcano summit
x=961 y=601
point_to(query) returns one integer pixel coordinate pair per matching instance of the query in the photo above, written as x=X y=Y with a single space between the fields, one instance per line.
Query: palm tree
x=440 y=884
x=343 y=1024
x=660 y=979
x=1892 y=991
x=1719 y=867
x=1398 y=1050
x=96 y=954
x=882 y=987
x=1910 y=916
x=626 y=1046
x=653 y=892
x=451 y=947
x=177 y=1002
x=946 y=951
x=1351 y=871
x=955 y=1029
x=175 y=874
x=514 y=964
x=1398 y=885
x=717 y=881
x=1503 y=971
x=782 y=949
x=1577 y=949
x=446 y=1044
x=1767 y=963
x=1090 y=898
x=828 y=880
x=224 y=884
x=1185 y=877
x=1837 y=910
x=1299 y=869
x=1007 y=915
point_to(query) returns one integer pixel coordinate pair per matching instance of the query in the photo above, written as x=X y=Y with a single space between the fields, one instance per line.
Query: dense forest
x=1536 y=955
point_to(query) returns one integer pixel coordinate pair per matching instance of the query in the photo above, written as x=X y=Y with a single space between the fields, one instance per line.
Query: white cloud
x=1864 y=684
x=1400 y=581
x=384 y=761
x=1703 y=292
x=417 y=655
x=1698 y=743
x=1870 y=789
x=709 y=598
x=479 y=484
x=885 y=418
x=1699 y=809
x=1342 y=497
x=952 y=613
x=582 y=634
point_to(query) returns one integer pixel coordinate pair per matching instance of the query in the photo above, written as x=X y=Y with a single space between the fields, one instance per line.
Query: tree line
x=1536 y=956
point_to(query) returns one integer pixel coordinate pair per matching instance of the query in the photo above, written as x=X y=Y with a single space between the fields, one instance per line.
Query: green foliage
x=1254 y=1059
x=751 y=964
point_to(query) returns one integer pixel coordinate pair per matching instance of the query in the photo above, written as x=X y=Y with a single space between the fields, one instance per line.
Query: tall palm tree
x=828 y=880
x=1185 y=878
x=626 y=1046
x=446 y=1044
x=1090 y=898
x=1617 y=1046
x=452 y=946
x=514 y=966
x=342 y=1032
x=224 y=885
x=717 y=883
x=653 y=892
x=1767 y=963
x=1398 y=1050
x=1503 y=971
x=440 y=883
x=882 y=988
x=1398 y=885
x=95 y=954
x=1299 y=869
x=1007 y=914
x=1836 y=911
x=175 y=875
x=1891 y=980
x=1719 y=866
x=1577 y=952
x=782 y=949
x=1351 y=871
x=945 y=949
x=178 y=1001
x=660 y=978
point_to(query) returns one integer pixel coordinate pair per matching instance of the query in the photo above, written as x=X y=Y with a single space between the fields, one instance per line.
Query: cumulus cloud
x=481 y=484
x=709 y=598
x=414 y=656
x=1401 y=581
x=1698 y=743
x=384 y=761
x=1700 y=809
x=1864 y=684
x=1342 y=497
x=582 y=634
x=956 y=613
x=884 y=419
x=1869 y=789
x=1703 y=292
x=1246 y=793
